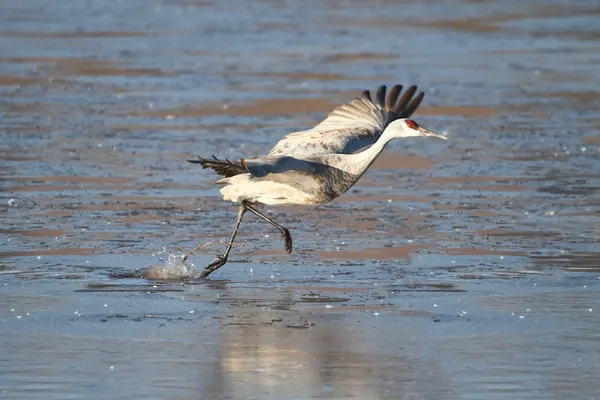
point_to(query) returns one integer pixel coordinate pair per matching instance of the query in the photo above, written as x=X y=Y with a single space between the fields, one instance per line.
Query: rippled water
x=460 y=269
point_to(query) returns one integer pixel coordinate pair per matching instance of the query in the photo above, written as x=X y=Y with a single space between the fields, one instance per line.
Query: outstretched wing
x=263 y=166
x=225 y=167
x=353 y=125
x=300 y=174
x=283 y=169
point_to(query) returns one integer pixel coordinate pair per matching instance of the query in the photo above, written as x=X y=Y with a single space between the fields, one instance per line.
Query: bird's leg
x=221 y=260
x=200 y=246
x=286 y=234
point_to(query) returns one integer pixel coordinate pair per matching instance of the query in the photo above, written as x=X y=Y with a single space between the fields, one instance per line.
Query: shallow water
x=461 y=269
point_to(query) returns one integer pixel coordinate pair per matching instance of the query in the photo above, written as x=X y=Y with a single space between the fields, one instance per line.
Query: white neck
x=358 y=163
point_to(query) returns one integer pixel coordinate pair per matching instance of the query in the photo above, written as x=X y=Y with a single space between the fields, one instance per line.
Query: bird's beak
x=428 y=133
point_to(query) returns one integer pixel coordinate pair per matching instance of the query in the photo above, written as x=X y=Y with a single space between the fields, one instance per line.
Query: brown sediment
x=377 y=308
x=69 y=178
x=284 y=106
x=69 y=66
x=58 y=188
x=401 y=161
x=469 y=24
x=107 y=204
x=483 y=213
x=18 y=158
x=32 y=108
x=591 y=139
x=581 y=96
x=134 y=219
x=35 y=232
x=511 y=188
x=334 y=289
x=76 y=34
x=478 y=178
x=55 y=60
x=65 y=251
x=70 y=70
x=515 y=233
x=492 y=23
x=475 y=251
x=213 y=128
x=303 y=76
x=32 y=302
x=347 y=198
x=381 y=253
x=464 y=111
x=536 y=51
x=351 y=57
x=7 y=80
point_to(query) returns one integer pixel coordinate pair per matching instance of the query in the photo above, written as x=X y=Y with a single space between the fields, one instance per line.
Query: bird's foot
x=213 y=266
x=288 y=240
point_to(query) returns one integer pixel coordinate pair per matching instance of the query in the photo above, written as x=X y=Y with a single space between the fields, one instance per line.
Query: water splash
x=173 y=269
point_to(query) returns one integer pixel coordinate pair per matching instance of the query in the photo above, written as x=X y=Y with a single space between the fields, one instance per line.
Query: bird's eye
x=412 y=124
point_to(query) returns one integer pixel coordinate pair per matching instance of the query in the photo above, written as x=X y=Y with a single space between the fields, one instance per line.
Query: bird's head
x=403 y=127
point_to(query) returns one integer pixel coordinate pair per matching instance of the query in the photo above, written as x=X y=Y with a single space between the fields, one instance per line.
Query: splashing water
x=174 y=268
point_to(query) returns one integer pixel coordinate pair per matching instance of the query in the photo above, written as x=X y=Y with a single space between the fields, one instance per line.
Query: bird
x=315 y=166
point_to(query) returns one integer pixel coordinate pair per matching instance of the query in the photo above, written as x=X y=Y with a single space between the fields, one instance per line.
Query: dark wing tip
x=404 y=101
x=390 y=103
x=367 y=95
x=412 y=107
x=397 y=104
x=198 y=161
x=380 y=96
x=225 y=168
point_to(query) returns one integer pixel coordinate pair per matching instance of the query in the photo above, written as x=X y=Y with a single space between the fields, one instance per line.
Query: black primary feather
x=412 y=107
x=225 y=167
x=367 y=95
x=393 y=97
x=404 y=100
x=380 y=96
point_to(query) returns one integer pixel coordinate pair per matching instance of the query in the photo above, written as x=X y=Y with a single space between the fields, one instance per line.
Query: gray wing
x=263 y=166
x=301 y=174
x=353 y=125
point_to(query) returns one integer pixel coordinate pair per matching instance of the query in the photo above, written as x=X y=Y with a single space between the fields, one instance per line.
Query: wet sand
x=464 y=269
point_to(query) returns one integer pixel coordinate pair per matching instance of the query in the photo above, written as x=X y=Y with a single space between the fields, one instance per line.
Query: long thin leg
x=286 y=234
x=221 y=260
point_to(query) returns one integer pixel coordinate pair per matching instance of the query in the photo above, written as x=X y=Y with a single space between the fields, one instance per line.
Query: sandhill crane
x=315 y=166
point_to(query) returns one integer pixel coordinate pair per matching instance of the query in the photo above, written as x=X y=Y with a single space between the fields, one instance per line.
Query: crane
x=315 y=166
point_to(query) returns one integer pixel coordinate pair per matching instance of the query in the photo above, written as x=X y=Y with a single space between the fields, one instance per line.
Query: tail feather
x=225 y=167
